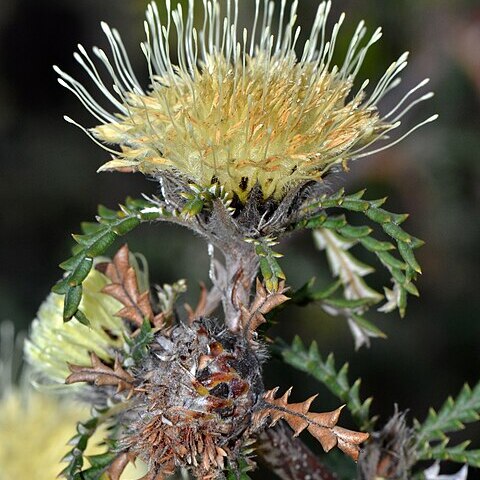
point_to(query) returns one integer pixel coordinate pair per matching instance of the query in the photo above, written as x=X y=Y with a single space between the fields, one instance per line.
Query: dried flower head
x=241 y=108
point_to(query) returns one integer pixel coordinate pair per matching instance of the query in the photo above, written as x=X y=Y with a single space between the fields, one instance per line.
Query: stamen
x=254 y=29
x=91 y=136
x=280 y=26
x=229 y=107
x=93 y=74
x=81 y=92
x=113 y=38
x=403 y=137
x=408 y=94
x=427 y=96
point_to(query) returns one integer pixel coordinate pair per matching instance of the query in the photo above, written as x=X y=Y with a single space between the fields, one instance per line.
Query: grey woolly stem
x=241 y=265
x=288 y=457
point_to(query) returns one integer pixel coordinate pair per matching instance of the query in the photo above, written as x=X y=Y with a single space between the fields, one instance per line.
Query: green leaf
x=72 y=301
x=347 y=303
x=193 y=207
x=432 y=435
x=378 y=215
x=89 y=228
x=307 y=294
x=102 y=460
x=80 y=272
x=390 y=261
x=106 y=213
x=82 y=318
x=407 y=253
x=138 y=346
x=61 y=287
x=374 y=245
x=100 y=243
x=458 y=453
x=94 y=241
x=79 y=443
x=369 y=327
x=126 y=225
x=271 y=271
x=389 y=223
x=239 y=472
x=310 y=361
x=354 y=232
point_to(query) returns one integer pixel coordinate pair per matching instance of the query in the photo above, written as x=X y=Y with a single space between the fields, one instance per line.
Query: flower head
x=36 y=424
x=241 y=108
x=53 y=343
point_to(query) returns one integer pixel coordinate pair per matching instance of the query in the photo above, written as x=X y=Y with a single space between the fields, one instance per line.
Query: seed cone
x=194 y=403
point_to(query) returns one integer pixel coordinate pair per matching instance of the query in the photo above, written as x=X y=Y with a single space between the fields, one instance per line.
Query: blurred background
x=48 y=185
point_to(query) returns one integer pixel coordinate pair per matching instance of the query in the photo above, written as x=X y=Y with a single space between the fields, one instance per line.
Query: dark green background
x=48 y=185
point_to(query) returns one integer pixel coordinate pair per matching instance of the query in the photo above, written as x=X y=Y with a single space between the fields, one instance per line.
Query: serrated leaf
x=94 y=241
x=389 y=222
x=310 y=361
x=73 y=297
x=451 y=417
x=126 y=225
x=80 y=272
x=407 y=254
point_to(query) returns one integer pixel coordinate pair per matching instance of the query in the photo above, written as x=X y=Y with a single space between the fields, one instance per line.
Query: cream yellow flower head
x=53 y=344
x=241 y=108
x=35 y=427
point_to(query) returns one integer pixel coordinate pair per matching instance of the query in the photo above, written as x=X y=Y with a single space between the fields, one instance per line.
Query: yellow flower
x=240 y=109
x=53 y=342
x=35 y=426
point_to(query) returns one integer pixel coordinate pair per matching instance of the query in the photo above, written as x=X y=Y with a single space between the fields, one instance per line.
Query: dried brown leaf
x=124 y=288
x=101 y=375
x=117 y=467
x=201 y=305
x=263 y=303
x=320 y=425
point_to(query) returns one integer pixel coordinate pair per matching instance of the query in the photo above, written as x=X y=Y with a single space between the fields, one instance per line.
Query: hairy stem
x=289 y=457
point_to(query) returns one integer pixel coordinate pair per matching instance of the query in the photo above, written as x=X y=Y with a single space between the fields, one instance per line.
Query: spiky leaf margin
x=310 y=361
x=432 y=440
x=404 y=271
x=94 y=241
